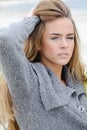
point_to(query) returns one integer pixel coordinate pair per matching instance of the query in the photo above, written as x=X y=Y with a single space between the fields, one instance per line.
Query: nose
x=63 y=43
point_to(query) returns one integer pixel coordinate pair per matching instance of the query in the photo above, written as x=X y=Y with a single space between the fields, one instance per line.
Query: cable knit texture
x=41 y=101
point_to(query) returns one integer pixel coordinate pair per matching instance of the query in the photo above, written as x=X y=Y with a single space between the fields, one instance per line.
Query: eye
x=54 y=38
x=71 y=38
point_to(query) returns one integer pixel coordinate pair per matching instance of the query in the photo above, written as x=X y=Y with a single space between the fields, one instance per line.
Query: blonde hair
x=7 y=118
x=46 y=10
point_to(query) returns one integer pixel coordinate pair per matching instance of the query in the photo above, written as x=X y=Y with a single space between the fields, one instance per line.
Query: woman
x=44 y=80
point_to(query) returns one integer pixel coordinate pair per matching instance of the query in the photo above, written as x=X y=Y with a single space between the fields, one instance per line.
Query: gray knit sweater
x=41 y=101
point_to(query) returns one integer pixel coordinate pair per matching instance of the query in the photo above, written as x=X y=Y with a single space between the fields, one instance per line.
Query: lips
x=63 y=55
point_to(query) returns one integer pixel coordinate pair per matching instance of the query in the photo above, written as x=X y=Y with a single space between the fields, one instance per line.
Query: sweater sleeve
x=20 y=30
x=12 y=58
x=17 y=70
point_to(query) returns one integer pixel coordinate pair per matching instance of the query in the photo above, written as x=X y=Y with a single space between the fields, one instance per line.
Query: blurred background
x=14 y=10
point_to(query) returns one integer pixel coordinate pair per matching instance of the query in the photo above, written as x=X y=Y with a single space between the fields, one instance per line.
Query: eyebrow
x=61 y=34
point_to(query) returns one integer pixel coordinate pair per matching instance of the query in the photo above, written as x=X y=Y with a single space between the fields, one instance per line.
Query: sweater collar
x=52 y=92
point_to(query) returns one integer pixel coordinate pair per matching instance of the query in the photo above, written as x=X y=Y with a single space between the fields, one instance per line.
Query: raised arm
x=16 y=68
x=12 y=58
x=20 y=30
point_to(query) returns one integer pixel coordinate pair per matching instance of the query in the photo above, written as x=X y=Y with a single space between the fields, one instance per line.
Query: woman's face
x=58 y=42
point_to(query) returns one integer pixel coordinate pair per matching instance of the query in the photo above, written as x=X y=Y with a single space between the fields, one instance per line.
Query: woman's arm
x=20 y=30
x=12 y=58
x=16 y=68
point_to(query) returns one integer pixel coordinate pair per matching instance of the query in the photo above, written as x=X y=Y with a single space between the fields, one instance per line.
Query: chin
x=63 y=63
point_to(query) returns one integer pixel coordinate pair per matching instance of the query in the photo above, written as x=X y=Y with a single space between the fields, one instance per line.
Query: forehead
x=59 y=25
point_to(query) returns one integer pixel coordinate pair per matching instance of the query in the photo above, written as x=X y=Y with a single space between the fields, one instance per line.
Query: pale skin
x=57 y=44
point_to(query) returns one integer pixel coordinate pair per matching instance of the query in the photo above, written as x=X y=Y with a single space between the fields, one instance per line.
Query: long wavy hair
x=46 y=10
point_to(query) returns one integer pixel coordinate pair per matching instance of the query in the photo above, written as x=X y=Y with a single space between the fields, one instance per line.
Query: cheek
x=72 y=47
x=46 y=46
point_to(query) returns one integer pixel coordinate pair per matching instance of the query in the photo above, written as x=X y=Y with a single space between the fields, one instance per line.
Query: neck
x=57 y=71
